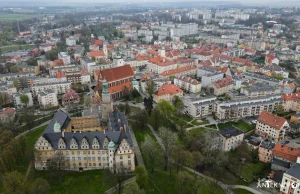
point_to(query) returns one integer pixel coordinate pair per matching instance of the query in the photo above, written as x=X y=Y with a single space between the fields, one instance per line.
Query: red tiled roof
x=293 y=96
x=286 y=152
x=223 y=82
x=142 y=58
x=8 y=111
x=161 y=61
x=120 y=87
x=178 y=70
x=116 y=73
x=271 y=120
x=98 y=42
x=96 y=54
x=146 y=76
x=168 y=89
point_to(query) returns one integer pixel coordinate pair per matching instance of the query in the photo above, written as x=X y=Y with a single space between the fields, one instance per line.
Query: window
x=129 y=156
x=129 y=161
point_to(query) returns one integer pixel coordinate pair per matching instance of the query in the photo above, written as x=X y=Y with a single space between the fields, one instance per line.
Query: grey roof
x=277 y=177
x=79 y=50
x=230 y=131
x=261 y=87
x=86 y=59
x=267 y=145
x=281 y=163
x=262 y=77
x=274 y=67
x=294 y=171
x=112 y=134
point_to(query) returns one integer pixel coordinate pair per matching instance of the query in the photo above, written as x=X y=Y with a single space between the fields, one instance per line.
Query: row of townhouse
x=58 y=87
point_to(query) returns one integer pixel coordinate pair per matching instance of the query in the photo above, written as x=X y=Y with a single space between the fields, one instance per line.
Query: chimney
x=104 y=131
x=63 y=133
x=125 y=128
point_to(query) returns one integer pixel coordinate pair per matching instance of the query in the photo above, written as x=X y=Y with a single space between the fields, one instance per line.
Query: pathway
x=33 y=129
x=137 y=150
x=28 y=170
x=225 y=187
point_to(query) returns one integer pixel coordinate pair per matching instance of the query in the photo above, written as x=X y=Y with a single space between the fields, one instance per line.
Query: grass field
x=14 y=17
x=241 y=124
x=16 y=47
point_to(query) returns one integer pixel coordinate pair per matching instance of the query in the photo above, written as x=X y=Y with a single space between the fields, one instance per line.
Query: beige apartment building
x=231 y=138
x=265 y=151
x=291 y=102
x=271 y=126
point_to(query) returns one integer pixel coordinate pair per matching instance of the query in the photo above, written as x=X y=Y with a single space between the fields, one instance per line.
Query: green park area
x=14 y=17
x=240 y=124
x=16 y=47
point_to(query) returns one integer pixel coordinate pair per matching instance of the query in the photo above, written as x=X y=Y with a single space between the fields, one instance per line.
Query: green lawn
x=200 y=122
x=14 y=17
x=241 y=191
x=252 y=170
x=241 y=124
x=16 y=47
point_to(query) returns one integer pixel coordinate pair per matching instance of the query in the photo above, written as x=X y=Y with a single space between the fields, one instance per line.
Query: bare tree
x=169 y=140
x=151 y=149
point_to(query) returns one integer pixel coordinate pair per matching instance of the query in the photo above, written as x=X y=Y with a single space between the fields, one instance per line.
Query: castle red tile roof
x=178 y=70
x=271 y=120
x=142 y=58
x=286 y=152
x=223 y=82
x=116 y=73
x=170 y=89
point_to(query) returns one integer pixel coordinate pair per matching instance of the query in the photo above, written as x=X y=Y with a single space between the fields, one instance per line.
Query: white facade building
x=71 y=41
x=47 y=98
x=65 y=57
x=58 y=87
x=17 y=98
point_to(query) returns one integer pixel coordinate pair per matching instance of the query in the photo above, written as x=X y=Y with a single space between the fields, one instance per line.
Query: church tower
x=118 y=60
x=163 y=51
x=107 y=104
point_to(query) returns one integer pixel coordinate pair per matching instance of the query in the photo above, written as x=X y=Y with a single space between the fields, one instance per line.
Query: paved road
x=137 y=150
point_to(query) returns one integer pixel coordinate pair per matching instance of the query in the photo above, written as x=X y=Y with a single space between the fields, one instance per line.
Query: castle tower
x=118 y=60
x=111 y=152
x=107 y=105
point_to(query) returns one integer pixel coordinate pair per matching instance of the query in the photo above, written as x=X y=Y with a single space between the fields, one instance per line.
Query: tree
x=150 y=87
x=39 y=186
x=52 y=54
x=165 y=108
x=184 y=182
x=148 y=103
x=151 y=150
x=56 y=163
x=126 y=92
x=16 y=84
x=13 y=182
x=127 y=108
x=141 y=176
x=24 y=99
x=132 y=188
x=141 y=117
x=177 y=103
x=169 y=140
x=87 y=101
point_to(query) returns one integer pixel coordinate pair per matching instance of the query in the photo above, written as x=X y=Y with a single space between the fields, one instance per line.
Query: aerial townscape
x=128 y=97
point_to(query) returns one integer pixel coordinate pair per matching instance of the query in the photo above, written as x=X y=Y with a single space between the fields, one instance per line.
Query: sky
x=86 y=2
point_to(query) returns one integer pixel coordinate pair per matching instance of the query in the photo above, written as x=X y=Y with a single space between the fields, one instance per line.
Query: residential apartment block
x=17 y=100
x=47 y=98
x=231 y=138
x=236 y=109
x=265 y=151
x=291 y=180
x=222 y=86
x=271 y=126
x=58 y=87
x=199 y=106
x=187 y=84
x=167 y=92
